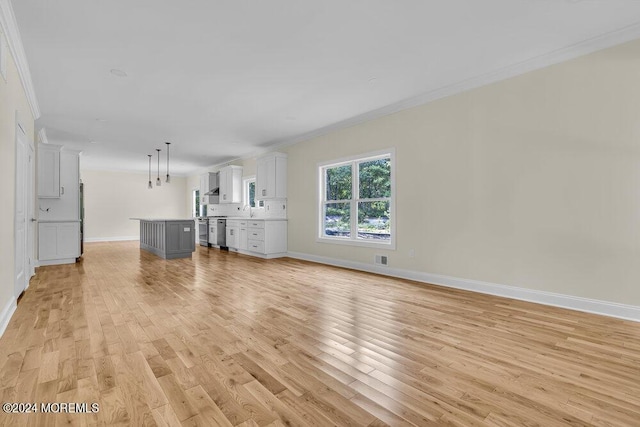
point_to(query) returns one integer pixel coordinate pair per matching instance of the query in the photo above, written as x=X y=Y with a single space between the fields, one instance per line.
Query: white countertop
x=162 y=219
x=242 y=218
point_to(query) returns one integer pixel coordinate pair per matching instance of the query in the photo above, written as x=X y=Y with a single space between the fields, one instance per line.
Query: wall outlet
x=381 y=260
x=412 y=253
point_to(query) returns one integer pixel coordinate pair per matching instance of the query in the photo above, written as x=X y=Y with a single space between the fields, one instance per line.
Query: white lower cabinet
x=58 y=242
x=242 y=236
x=233 y=229
x=213 y=234
x=267 y=238
x=258 y=237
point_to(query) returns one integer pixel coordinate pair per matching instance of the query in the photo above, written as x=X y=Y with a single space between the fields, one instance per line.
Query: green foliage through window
x=372 y=207
x=252 y=193
x=196 y=203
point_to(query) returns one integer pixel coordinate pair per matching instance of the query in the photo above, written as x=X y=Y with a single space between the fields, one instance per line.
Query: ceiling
x=224 y=79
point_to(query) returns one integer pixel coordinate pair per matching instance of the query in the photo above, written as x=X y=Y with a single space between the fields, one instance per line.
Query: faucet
x=250 y=211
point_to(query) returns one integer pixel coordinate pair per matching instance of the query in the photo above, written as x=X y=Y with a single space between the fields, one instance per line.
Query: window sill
x=389 y=245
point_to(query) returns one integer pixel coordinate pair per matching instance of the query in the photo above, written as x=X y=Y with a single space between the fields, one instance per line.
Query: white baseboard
x=606 y=308
x=56 y=261
x=110 y=239
x=6 y=313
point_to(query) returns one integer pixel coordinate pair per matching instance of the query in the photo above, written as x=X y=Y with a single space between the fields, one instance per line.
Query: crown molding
x=576 y=50
x=567 y=53
x=9 y=27
x=42 y=136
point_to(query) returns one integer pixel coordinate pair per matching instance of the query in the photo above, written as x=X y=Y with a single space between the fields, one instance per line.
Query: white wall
x=111 y=198
x=531 y=182
x=12 y=100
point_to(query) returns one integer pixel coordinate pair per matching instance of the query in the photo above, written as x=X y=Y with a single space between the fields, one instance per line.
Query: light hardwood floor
x=225 y=339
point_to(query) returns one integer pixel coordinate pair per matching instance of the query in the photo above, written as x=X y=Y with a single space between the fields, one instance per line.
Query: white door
x=22 y=272
x=31 y=216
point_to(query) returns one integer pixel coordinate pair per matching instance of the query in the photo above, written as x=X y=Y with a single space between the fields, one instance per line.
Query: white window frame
x=245 y=192
x=353 y=240
x=195 y=212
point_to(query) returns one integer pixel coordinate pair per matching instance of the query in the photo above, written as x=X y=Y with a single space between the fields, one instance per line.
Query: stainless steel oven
x=203 y=231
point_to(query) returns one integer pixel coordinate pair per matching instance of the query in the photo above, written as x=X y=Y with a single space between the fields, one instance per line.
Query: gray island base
x=168 y=238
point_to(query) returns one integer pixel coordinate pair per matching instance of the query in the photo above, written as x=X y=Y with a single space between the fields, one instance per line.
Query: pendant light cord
x=168 y=144
x=158 y=179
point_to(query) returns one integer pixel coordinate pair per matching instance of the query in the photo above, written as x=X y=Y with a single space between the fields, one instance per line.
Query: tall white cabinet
x=58 y=205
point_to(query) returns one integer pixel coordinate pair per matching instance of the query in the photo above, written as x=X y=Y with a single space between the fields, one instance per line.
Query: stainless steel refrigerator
x=81 y=218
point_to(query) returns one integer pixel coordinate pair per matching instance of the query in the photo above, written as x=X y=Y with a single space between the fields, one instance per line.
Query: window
x=356 y=201
x=250 y=193
x=195 y=204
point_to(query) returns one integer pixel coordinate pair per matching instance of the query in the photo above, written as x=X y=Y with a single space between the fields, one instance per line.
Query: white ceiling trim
x=42 y=136
x=585 y=47
x=582 y=48
x=9 y=27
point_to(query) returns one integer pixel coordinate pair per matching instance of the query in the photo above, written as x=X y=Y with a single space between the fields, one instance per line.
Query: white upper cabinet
x=48 y=171
x=208 y=182
x=231 y=184
x=66 y=206
x=271 y=176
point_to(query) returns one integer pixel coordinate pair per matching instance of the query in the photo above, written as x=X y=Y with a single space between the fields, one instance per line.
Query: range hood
x=213 y=192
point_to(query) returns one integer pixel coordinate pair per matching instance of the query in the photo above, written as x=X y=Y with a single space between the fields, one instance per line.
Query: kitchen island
x=167 y=238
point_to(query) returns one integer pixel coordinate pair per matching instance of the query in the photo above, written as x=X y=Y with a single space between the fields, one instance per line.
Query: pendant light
x=158 y=182
x=168 y=181
x=150 y=186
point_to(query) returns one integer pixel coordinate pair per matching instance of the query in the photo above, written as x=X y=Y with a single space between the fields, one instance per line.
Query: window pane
x=337 y=219
x=375 y=179
x=374 y=220
x=338 y=183
x=196 y=200
x=252 y=194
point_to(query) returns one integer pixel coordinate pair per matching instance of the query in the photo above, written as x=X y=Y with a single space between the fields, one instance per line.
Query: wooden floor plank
x=230 y=340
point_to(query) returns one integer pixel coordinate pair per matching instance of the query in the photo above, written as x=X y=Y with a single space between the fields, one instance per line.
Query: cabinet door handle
x=264 y=192
x=62 y=191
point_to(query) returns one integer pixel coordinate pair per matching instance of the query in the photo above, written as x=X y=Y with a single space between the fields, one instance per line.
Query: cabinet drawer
x=256 y=234
x=255 y=246
x=256 y=224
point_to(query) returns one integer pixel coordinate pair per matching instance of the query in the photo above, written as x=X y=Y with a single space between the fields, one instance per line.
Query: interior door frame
x=31 y=209
x=24 y=180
